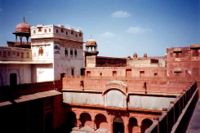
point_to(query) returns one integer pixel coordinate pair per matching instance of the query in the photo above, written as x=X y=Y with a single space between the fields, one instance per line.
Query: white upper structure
x=59 y=46
x=55 y=51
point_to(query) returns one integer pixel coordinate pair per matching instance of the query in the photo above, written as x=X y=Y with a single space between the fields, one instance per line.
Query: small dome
x=91 y=42
x=23 y=27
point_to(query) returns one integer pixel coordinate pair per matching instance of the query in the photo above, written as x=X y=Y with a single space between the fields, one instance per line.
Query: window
x=75 y=52
x=154 y=61
x=114 y=73
x=82 y=71
x=71 y=52
x=8 y=53
x=4 y=53
x=39 y=29
x=34 y=31
x=22 y=55
x=80 y=34
x=88 y=73
x=62 y=30
x=72 y=71
x=128 y=73
x=66 y=52
x=72 y=32
x=27 y=54
x=62 y=75
x=142 y=73
x=66 y=33
x=155 y=74
x=45 y=30
x=56 y=30
x=100 y=74
x=49 y=30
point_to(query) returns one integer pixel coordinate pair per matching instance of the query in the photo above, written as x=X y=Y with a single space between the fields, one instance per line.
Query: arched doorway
x=71 y=118
x=132 y=123
x=99 y=118
x=118 y=125
x=84 y=117
x=146 y=123
x=13 y=79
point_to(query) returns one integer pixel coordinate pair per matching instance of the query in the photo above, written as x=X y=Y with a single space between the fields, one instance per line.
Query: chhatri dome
x=91 y=43
x=22 y=31
x=91 y=47
x=23 y=27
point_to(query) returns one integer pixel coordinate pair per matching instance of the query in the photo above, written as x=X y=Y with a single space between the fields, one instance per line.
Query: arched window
x=146 y=123
x=99 y=118
x=84 y=117
x=118 y=125
x=132 y=124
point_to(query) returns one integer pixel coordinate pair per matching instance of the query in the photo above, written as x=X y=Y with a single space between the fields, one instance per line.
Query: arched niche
x=115 y=98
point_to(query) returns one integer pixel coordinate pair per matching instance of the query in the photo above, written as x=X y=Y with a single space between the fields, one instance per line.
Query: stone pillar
x=110 y=124
x=20 y=40
x=126 y=130
x=139 y=125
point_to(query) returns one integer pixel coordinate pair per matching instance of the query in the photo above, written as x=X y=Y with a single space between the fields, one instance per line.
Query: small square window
x=39 y=29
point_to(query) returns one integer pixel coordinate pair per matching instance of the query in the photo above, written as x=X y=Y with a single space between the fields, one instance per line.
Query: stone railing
x=175 y=118
x=12 y=92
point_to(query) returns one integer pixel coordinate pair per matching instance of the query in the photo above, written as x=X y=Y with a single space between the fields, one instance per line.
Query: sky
x=120 y=27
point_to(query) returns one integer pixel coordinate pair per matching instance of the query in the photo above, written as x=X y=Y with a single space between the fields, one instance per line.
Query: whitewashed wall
x=115 y=98
x=83 y=98
x=23 y=72
x=149 y=102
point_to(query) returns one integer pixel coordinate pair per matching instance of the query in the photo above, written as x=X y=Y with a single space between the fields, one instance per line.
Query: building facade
x=94 y=94
x=54 y=51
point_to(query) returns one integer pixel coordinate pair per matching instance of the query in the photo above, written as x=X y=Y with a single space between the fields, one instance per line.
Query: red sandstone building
x=108 y=95
x=134 y=94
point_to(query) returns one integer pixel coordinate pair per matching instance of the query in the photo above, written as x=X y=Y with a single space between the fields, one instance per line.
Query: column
x=110 y=123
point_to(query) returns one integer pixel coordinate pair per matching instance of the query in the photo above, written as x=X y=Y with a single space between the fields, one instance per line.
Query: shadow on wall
x=69 y=120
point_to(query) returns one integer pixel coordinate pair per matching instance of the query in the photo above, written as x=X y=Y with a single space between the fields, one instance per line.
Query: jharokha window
x=40 y=51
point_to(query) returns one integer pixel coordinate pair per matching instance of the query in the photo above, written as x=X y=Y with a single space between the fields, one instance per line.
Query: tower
x=91 y=47
x=22 y=30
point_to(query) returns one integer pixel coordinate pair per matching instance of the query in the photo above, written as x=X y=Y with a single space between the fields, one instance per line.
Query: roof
x=38 y=95
x=91 y=42
x=25 y=62
x=23 y=27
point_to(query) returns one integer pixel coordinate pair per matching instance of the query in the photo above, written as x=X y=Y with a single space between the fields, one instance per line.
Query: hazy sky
x=121 y=27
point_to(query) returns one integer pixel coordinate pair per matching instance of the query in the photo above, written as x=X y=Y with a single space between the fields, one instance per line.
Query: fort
x=57 y=83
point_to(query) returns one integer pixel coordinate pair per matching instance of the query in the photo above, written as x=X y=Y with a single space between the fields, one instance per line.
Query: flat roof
x=25 y=62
